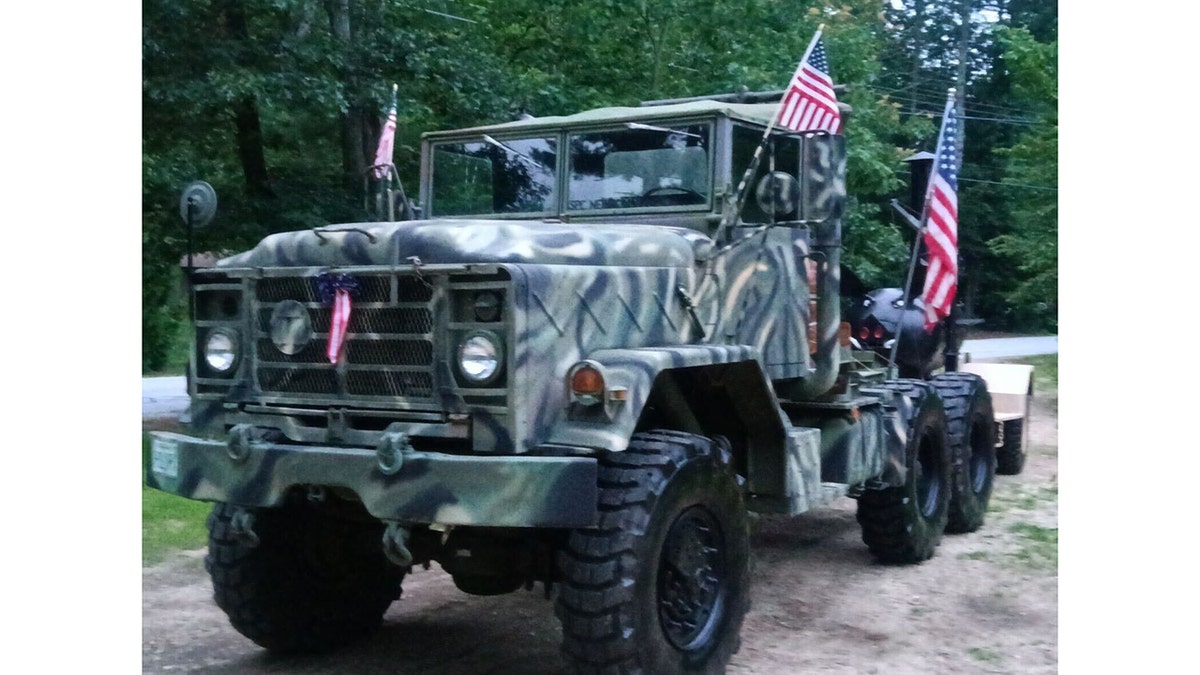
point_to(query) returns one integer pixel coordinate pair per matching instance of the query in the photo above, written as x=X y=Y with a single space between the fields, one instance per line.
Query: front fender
x=609 y=425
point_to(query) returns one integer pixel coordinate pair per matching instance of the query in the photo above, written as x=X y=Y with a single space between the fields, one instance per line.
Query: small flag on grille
x=336 y=289
x=941 y=222
x=809 y=103
x=338 y=323
x=387 y=139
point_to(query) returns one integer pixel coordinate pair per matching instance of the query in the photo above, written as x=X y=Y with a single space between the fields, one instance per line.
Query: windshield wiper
x=665 y=130
x=516 y=153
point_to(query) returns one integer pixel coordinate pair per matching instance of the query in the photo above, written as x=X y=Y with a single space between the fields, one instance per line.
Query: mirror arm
x=904 y=213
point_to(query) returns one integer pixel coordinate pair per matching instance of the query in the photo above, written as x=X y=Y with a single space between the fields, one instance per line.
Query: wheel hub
x=927 y=477
x=691 y=579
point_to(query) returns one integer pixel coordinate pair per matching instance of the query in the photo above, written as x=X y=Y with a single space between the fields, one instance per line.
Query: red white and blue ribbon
x=336 y=289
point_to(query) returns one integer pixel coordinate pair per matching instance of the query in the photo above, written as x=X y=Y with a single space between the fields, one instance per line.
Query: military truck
x=582 y=365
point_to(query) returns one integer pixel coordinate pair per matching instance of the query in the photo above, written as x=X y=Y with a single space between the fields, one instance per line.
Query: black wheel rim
x=692 y=579
x=980 y=456
x=928 y=476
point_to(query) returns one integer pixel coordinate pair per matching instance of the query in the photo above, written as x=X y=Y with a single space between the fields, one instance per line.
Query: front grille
x=389 y=342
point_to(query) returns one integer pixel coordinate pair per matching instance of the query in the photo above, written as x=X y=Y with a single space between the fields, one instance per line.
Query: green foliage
x=278 y=104
x=1032 y=243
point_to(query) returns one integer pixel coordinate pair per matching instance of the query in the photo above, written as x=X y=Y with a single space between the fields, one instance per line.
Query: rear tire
x=971 y=430
x=904 y=524
x=662 y=585
x=314 y=582
x=1010 y=457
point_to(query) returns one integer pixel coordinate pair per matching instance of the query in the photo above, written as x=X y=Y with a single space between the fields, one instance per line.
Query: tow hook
x=240 y=438
x=390 y=452
x=395 y=545
x=242 y=524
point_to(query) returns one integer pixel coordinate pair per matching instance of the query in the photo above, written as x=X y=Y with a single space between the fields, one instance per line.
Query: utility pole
x=964 y=57
x=960 y=106
x=918 y=29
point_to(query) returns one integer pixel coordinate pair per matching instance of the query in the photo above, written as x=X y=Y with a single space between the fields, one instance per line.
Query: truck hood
x=478 y=241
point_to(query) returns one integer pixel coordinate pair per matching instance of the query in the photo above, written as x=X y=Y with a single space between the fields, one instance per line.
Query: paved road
x=167 y=396
x=163 y=397
x=1000 y=348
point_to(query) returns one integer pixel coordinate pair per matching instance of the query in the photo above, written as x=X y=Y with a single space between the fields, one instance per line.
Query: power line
x=1022 y=185
x=1001 y=120
x=933 y=96
x=929 y=92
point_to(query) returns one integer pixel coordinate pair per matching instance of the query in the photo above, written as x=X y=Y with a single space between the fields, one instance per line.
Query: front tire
x=314 y=582
x=971 y=428
x=904 y=524
x=662 y=585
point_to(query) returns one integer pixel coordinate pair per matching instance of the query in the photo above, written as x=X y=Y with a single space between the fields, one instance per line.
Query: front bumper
x=429 y=487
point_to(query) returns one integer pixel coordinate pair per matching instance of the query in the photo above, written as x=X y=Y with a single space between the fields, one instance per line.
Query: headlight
x=479 y=357
x=220 y=350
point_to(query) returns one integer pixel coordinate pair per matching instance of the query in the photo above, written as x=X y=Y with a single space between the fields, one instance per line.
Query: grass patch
x=1045 y=371
x=169 y=523
x=1039 y=546
x=975 y=555
x=984 y=655
x=1007 y=500
x=1045 y=377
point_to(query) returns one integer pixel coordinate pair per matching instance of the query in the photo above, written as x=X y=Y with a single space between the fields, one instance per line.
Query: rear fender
x=1011 y=387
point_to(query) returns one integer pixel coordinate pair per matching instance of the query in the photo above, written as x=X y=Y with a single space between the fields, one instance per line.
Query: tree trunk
x=248 y=126
x=350 y=121
x=250 y=148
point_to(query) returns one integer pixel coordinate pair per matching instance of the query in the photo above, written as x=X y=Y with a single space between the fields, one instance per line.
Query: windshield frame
x=557 y=205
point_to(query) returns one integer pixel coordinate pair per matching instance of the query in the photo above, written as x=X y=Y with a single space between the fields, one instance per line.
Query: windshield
x=494 y=176
x=640 y=166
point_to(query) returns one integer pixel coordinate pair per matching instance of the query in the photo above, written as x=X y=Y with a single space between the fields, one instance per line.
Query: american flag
x=810 y=104
x=338 y=323
x=336 y=289
x=941 y=223
x=383 y=156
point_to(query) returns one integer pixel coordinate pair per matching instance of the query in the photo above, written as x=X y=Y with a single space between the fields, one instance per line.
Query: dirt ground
x=986 y=603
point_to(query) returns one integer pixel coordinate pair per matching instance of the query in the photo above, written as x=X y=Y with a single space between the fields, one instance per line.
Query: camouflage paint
x=636 y=299
x=467 y=241
x=428 y=488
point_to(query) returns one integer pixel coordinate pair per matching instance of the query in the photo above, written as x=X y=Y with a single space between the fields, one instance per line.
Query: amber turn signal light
x=587 y=381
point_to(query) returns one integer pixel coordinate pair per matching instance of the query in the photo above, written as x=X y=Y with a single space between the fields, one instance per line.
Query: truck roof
x=758 y=113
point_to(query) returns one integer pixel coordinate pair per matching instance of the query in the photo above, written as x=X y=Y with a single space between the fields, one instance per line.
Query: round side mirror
x=778 y=195
x=201 y=200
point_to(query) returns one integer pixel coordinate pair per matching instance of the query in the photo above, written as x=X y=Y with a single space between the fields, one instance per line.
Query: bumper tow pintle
x=242 y=524
x=395 y=545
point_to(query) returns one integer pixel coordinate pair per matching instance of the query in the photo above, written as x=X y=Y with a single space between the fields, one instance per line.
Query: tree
x=1031 y=172
x=278 y=104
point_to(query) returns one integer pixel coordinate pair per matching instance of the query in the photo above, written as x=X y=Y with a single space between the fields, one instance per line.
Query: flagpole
x=734 y=207
x=893 y=369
